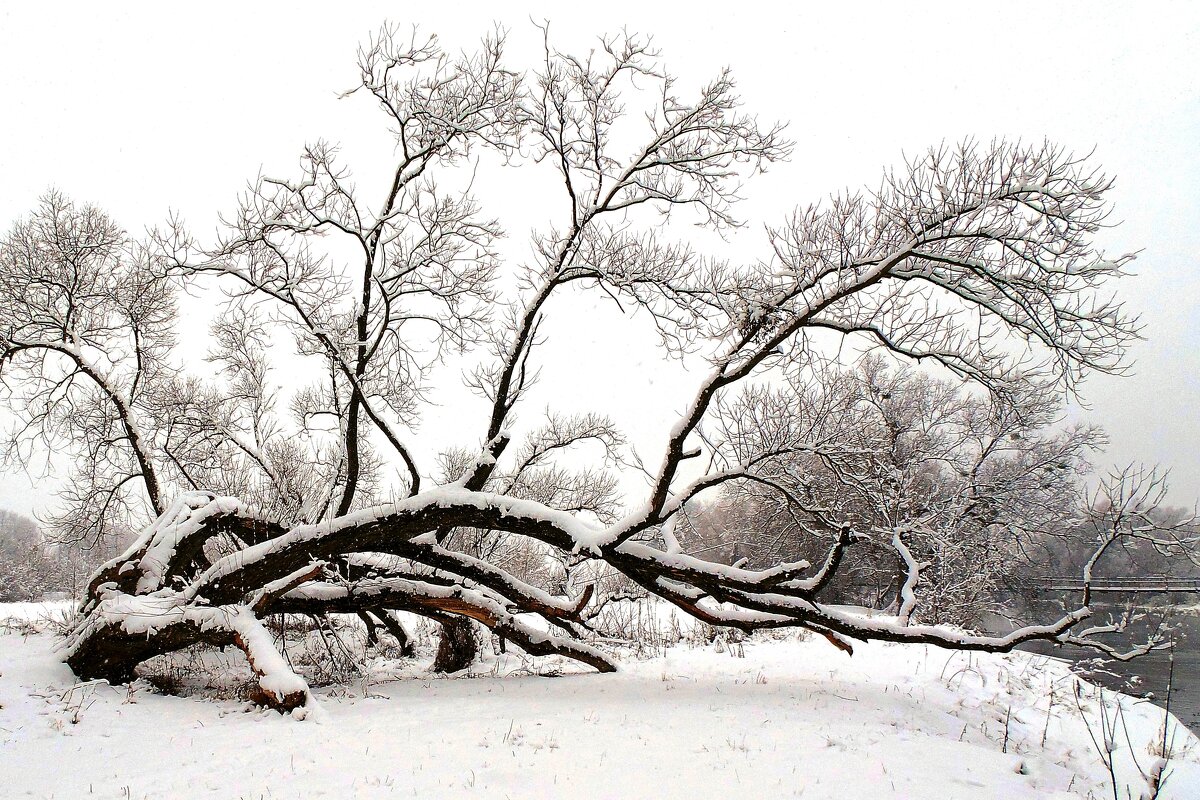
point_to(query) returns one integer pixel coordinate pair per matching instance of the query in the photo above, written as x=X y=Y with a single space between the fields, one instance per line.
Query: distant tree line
x=32 y=566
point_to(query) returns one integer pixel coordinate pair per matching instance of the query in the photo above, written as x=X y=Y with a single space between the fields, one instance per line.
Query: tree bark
x=458 y=646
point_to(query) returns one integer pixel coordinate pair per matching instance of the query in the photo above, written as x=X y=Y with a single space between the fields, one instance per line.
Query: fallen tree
x=976 y=261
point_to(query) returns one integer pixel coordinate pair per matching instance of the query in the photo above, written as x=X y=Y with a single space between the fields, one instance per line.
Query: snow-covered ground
x=792 y=718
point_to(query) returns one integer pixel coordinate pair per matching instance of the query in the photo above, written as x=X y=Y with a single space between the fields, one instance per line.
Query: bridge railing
x=1140 y=583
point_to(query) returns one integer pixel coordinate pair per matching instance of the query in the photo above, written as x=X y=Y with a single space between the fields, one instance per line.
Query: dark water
x=1149 y=674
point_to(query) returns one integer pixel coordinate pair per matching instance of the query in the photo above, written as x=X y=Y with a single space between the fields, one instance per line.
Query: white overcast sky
x=146 y=108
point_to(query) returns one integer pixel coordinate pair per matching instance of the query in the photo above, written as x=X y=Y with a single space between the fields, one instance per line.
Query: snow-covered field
x=792 y=718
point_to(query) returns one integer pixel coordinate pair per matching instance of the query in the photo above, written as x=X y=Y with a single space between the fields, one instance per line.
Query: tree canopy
x=973 y=262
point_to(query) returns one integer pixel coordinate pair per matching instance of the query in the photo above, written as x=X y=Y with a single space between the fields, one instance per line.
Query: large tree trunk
x=164 y=594
x=115 y=638
x=167 y=592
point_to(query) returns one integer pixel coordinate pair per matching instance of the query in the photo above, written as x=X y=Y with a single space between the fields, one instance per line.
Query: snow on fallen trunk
x=278 y=686
x=124 y=630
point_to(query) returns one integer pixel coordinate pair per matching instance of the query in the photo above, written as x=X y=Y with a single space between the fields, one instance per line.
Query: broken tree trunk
x=208 y=570
x=165 y=593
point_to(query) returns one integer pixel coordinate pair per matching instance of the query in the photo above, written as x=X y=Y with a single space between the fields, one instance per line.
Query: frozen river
x=1149 y=674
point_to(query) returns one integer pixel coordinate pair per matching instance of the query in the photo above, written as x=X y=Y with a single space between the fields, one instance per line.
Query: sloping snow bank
x=792 y=718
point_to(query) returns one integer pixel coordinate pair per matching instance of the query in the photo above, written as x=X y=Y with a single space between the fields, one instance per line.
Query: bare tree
x=946 y=493
x=976 y=260
x=86 y=326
